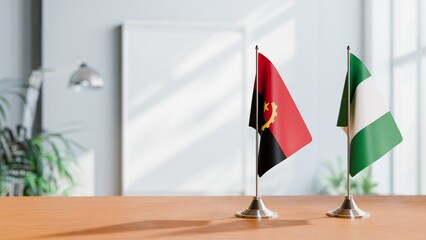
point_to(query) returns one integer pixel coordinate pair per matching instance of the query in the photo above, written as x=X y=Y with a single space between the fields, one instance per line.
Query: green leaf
x=47 y=161
x=30 y=182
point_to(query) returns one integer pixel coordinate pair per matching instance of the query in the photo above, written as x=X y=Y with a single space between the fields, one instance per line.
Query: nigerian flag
x=373 y=130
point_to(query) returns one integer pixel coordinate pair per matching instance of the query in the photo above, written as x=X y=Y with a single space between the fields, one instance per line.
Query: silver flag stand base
x=349 y=209
x=257 y=209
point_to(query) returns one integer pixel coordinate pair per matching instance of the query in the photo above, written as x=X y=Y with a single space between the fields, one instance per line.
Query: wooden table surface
x=301 y=217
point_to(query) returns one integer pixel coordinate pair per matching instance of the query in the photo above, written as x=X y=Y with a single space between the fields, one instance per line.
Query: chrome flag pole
x=348 y=209
x=257 y=208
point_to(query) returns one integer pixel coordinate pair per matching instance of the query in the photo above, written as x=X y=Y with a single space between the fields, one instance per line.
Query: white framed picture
x=184 y=114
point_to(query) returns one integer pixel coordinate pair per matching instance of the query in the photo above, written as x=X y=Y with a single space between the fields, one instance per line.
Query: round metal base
x=348 y=209
x=257 y=209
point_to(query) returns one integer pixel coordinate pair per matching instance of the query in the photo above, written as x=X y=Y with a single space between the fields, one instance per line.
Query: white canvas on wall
x=183 y=113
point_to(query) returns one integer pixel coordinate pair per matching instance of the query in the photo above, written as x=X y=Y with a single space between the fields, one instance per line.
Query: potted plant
x=32 y=166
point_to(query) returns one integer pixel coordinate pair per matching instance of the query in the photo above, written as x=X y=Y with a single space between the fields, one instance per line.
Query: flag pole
x=348 y=209
x=348 y=186
x=257 y=121
x=257 y=208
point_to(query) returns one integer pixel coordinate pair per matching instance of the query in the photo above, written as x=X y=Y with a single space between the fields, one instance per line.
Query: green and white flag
x=373 y=130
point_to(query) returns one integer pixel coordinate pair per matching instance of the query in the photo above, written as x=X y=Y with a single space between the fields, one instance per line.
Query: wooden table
x=301 y=217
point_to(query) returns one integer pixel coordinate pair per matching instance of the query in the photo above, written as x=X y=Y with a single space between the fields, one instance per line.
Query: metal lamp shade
x=86 y=77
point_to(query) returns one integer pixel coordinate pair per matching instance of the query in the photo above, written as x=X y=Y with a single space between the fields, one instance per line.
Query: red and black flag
x=281 y=127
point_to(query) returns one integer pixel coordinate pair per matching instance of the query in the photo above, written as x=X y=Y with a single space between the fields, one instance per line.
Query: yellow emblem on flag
x=273 y=115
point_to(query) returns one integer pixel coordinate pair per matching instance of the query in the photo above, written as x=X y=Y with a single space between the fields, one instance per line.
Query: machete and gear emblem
x=273 y=115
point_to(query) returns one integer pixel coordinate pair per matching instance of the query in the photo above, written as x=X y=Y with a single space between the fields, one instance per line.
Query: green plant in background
x=33 y=166
x=334 y=180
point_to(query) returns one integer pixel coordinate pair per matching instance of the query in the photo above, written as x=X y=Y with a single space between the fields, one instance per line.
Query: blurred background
x=171 y=114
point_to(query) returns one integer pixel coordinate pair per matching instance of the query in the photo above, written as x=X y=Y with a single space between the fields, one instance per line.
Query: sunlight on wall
x=280 y=44
x=267 y=13
x=405 y=33
x=188 y=131
x=405 y=111
x=204 y=52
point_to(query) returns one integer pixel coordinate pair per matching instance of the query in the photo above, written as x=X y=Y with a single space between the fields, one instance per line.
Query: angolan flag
x=281 y=127
x=373 y=130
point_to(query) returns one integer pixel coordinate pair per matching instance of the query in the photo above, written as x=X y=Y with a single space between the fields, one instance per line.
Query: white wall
x=15 y=47
x=305 y=39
